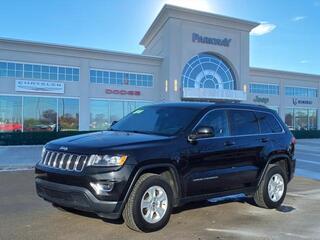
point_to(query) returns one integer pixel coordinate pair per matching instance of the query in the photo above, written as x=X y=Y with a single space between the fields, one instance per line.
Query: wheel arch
x=282 y=160
x=167 y=170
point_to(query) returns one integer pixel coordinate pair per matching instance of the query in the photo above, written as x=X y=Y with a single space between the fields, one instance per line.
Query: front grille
x=64 y=161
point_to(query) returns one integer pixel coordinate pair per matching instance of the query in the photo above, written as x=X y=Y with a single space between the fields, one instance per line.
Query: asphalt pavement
x=25 y=216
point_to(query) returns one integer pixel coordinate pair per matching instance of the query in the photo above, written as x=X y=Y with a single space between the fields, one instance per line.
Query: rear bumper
x=77 y=198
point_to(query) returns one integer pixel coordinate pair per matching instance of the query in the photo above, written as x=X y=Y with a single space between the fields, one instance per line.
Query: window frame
x=207 y=114
x=268 y=88
x=115 y=80
x=260 y=124
x=295 y=87
x=231 y=136
x=41 y=65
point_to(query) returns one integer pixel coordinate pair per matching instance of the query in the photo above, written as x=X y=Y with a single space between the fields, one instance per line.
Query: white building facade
x=189 y=56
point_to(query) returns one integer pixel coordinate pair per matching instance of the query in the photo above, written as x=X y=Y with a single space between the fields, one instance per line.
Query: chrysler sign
x=39 y=86
x=225 y=42
x=123 y=92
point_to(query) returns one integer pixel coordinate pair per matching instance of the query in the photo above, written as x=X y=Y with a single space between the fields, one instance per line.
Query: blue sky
x=288 y=39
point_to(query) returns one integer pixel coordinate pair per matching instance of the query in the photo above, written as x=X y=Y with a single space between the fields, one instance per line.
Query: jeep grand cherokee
x=165 y=155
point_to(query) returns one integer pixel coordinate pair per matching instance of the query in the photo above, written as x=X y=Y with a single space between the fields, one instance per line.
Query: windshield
x=159 y=120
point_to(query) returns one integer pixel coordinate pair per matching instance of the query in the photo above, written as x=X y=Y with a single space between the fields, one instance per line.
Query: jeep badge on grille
x=63 y=148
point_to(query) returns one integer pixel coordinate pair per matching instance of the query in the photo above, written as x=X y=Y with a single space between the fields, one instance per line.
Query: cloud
x=304 y=61
x=262 y=29
x=298 y=18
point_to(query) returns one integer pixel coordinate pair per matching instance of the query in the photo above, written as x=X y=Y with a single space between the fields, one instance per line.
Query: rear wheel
x=272 y=189
x=149 y=205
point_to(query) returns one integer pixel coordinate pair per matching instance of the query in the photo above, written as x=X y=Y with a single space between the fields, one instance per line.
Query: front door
x=210 y=160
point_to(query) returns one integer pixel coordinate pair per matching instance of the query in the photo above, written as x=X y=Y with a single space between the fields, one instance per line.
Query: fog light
x=102 y=188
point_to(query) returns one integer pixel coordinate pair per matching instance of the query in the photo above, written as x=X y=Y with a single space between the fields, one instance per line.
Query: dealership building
x=188 y=56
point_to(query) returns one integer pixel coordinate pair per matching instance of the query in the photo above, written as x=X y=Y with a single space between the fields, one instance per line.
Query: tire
x=135 y=215
x=274 y=198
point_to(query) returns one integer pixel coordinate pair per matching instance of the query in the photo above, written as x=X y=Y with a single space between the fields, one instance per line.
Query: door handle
x=229 y=143
x=265 y=139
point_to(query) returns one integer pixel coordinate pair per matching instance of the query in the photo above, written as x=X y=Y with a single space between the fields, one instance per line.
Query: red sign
x=122 y=92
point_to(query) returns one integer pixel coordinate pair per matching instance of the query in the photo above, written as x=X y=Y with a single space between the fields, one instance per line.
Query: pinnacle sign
x=225 y=42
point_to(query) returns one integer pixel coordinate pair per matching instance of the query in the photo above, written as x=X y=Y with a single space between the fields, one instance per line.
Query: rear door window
x=268 y=123
x=243 y=122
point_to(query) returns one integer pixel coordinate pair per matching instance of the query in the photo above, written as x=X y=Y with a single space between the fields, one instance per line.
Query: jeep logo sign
x=122 y=92
x=225 y=42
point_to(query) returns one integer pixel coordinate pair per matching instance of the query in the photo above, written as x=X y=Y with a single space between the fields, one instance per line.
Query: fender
x=171 y=167
x=282 y=156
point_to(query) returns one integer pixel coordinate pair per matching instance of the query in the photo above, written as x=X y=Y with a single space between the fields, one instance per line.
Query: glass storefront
x=301 y=118
x=104 y=112
x=36 y=114
x=68 y=117
x=39 y=114
x=10 y=114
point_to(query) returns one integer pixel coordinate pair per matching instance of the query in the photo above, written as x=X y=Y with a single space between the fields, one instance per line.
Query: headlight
x=107 y=160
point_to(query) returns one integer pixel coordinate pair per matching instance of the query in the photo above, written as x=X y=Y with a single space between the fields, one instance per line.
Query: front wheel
x=272 y=189
x=149 y=205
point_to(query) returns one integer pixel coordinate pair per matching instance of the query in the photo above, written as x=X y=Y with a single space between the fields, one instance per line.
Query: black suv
x=165 y=155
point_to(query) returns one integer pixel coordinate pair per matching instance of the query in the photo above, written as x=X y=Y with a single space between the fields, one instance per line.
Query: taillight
x=293 y=140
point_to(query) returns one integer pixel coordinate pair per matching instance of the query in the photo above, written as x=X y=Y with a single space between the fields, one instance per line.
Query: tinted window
x=268 y=124
x=160 y=120
x=243 y=122
x=218 y=121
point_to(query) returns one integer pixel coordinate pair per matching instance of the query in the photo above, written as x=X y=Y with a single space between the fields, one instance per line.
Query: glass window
x=243 y=122
x=207 y=71
x=121 y=78
x=218 y=121
x=301 y=119
x=312 y=114
x=99 y=115
x=301 y=92
x=36 y=71
x=40 y=114
x=268 y=123
x=128 y=107
x=264 y=88
x=68 y=114
x=162 y=120
x=104 y=112
x=116 y=110
x=288 y=119
x=10 y=114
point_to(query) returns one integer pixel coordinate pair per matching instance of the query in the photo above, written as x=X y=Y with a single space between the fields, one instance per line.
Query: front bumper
x=78 y=198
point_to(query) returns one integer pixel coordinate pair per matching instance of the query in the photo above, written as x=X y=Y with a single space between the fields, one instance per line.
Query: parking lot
x=25 y=216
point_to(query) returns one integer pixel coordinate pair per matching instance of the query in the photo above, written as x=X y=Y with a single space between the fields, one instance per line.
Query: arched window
x=208 y=71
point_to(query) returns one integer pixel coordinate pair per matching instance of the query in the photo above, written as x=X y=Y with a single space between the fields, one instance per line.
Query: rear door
x=244 y=126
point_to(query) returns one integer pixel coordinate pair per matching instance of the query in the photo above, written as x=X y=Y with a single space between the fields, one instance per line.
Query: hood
x=102 y=140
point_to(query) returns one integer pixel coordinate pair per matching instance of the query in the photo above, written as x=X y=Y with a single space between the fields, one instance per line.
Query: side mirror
x=202 y=132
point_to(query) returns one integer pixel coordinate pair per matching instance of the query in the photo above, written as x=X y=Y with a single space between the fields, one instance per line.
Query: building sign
x=297 y=101
x=263 y=100
x=122 y=92
x=213 y=94
x=39 y=86
x=225 y=42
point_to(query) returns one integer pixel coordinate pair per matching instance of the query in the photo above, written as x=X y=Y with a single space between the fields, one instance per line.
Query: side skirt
x=247 y=191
